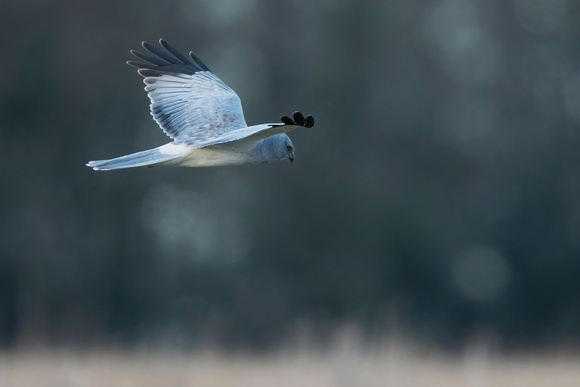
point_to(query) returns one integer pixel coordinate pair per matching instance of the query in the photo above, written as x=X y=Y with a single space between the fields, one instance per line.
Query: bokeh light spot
x=481 y=274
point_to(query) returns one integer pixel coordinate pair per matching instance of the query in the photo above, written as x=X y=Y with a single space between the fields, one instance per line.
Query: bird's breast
x=217 y=155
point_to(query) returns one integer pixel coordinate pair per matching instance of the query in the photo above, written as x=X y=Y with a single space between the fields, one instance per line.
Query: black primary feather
x=149 y=58
x=170 y=61
x=173 y=51
x=298 y=118
x=287 y=120
x=160 y=53
x=198 y=61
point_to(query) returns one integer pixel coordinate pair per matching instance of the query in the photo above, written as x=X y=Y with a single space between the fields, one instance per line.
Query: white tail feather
x=140 y=159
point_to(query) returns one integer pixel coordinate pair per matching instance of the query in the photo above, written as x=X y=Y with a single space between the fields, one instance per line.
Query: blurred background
x=437 y=198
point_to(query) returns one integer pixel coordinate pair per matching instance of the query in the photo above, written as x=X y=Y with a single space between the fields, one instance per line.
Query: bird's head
x=280 y=147
x=288 y=150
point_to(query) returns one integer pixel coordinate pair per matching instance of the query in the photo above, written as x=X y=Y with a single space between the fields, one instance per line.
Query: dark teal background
x=436 y=198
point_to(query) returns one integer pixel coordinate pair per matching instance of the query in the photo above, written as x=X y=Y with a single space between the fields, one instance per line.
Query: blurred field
x=347 y=366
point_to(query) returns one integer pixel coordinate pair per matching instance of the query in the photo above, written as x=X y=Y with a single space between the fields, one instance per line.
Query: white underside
x=212 y=156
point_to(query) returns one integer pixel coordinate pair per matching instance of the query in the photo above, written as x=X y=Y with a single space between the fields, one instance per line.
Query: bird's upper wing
x=189 y=102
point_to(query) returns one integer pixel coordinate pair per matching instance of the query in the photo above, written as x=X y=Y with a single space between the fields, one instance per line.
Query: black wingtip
x=298 y=119
x=165 y=60
x=287 y=120
x=198 y=61
x=173 y=51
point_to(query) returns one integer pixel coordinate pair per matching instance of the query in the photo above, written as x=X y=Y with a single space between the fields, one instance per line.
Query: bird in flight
x=203 y=116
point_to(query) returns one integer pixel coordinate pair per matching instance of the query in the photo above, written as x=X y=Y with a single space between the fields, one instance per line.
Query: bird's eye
x=288 y=148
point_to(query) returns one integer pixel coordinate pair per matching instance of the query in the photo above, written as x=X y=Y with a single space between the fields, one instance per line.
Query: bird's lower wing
x=255 y=132
x=258 y=132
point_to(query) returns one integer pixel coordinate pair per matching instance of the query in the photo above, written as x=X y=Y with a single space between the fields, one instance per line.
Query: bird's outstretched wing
x=189 y=102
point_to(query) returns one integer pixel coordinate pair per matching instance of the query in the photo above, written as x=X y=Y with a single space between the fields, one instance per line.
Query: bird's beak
x=291 y=158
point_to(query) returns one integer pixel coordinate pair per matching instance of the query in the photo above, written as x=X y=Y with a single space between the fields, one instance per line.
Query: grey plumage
x=203 y=116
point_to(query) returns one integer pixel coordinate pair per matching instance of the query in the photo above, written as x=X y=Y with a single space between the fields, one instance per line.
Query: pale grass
x=394 y=365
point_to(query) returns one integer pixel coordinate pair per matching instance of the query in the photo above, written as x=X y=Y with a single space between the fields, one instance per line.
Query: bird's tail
x=149 y=157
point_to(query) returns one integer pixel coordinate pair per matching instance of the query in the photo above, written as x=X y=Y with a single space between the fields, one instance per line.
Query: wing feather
x=255 y=133
x=190 y=103
x=259 y=132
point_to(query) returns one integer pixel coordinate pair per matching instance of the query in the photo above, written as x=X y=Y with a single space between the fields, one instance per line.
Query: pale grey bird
x=203 y=116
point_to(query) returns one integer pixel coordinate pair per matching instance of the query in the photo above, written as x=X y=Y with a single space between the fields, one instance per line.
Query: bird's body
x=235 y=153
x=203 y=116
x=182 y=155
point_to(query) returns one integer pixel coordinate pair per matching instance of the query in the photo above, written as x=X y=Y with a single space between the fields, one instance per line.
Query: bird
x=203 y=117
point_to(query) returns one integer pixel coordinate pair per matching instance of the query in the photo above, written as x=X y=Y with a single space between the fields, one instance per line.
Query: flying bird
x=203 y=116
